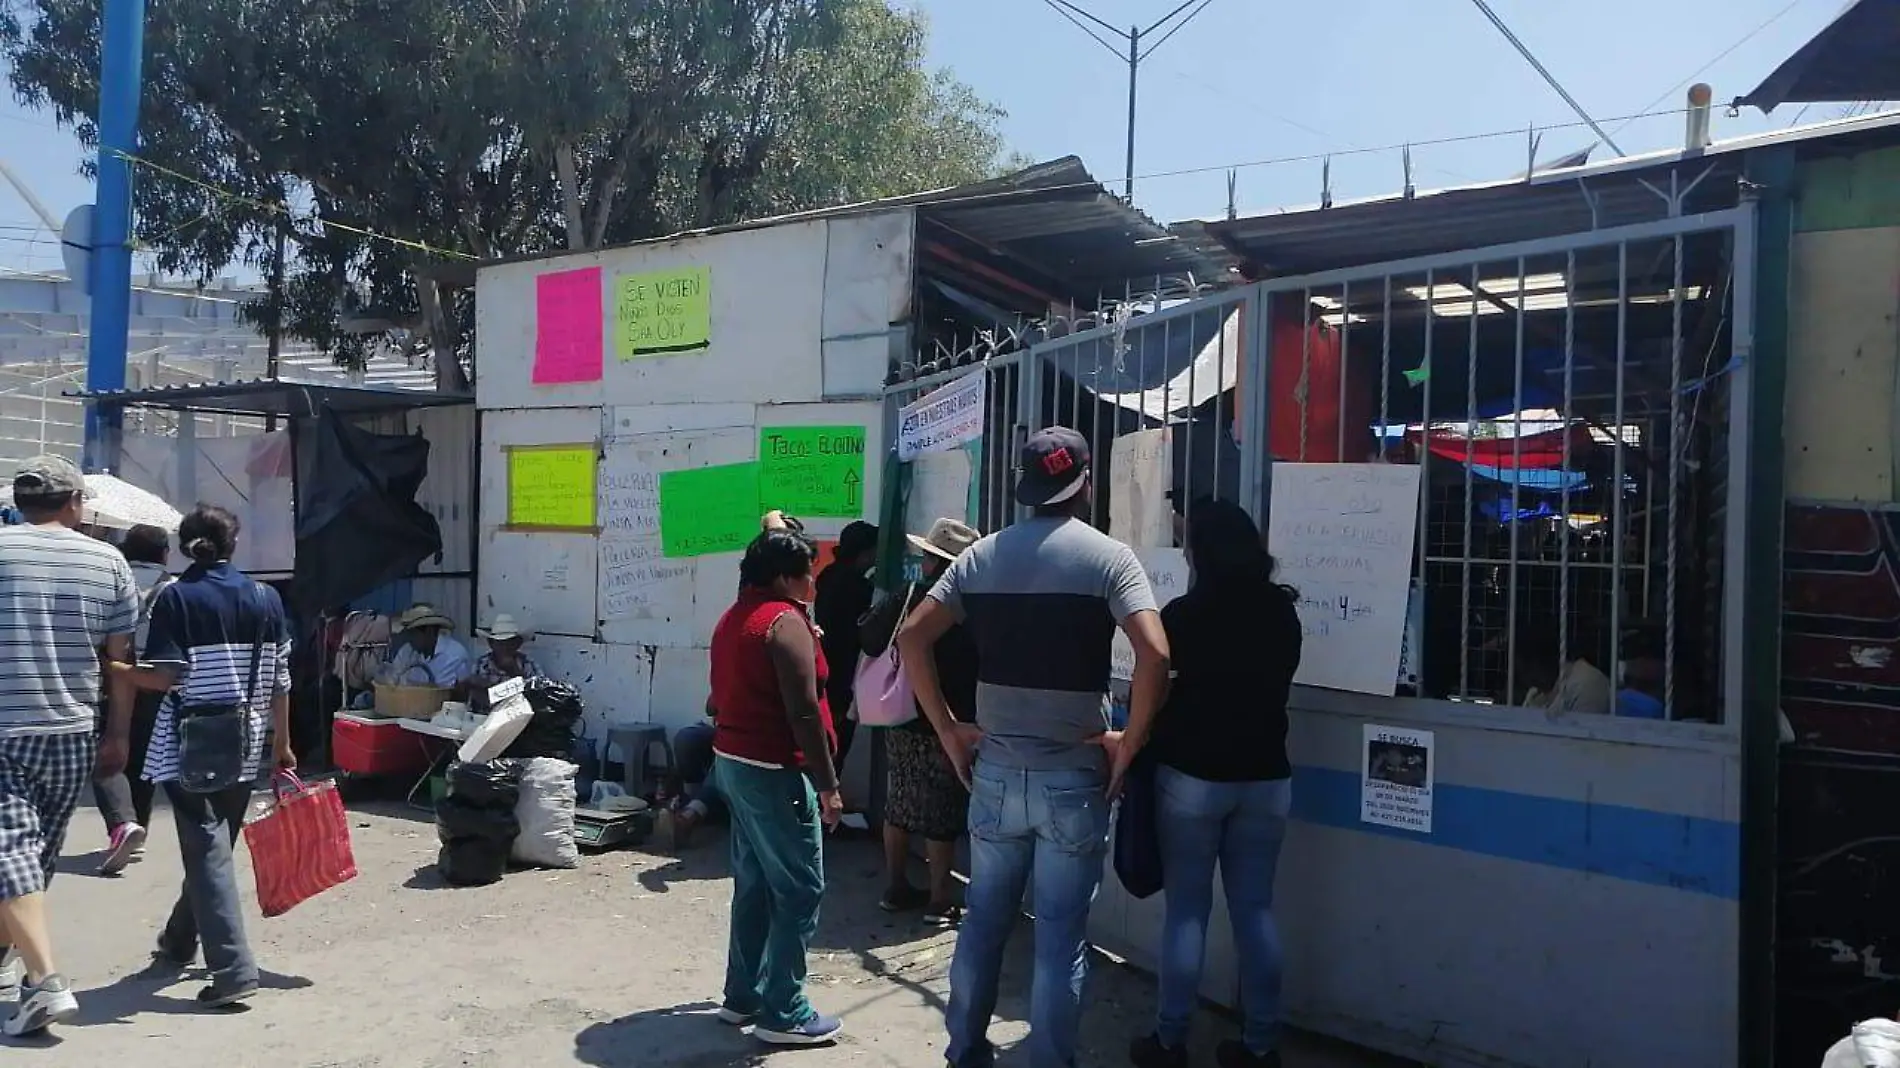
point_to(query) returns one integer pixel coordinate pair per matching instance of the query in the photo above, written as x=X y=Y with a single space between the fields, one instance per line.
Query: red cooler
x=362 y=745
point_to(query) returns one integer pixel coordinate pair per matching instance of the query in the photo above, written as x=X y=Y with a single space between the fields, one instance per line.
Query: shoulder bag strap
x=903 y=613
x=264 y=634
x=257 y=646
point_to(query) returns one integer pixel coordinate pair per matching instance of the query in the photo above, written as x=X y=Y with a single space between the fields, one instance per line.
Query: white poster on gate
x=1140 y=476
x=1343 y=534
x=943 y=419
x=939 y=489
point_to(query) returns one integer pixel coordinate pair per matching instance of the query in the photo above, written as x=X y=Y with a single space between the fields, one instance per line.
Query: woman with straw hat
x=924 y=796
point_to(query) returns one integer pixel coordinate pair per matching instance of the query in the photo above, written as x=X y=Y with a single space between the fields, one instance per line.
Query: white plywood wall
x=803 y=321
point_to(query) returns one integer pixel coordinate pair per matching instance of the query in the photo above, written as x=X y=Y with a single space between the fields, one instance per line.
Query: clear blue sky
x=1262 y=80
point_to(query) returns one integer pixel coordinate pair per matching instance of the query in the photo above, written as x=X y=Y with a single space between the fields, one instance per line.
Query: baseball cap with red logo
x=1055 y=464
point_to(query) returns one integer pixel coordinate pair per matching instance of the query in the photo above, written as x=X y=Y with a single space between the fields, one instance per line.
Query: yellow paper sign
x=662 y=311
x=551 y=486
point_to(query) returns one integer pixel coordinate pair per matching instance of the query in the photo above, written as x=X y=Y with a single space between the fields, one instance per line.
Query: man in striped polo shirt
x=1043 y=599
x=65 y=601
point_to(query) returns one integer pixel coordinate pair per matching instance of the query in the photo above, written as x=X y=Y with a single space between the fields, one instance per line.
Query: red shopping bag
x=301 y=847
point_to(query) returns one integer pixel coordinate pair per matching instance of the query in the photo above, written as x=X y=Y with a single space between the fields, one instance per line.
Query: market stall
x=1499 y=440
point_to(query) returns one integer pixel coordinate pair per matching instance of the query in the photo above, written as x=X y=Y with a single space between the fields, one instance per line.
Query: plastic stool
x=636 y=746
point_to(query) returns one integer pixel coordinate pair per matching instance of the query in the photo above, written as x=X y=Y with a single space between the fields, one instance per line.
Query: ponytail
x=208 y=534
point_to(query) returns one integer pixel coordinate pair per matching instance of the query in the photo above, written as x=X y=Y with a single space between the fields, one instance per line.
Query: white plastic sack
x=546 y=813
x=1874 y=1044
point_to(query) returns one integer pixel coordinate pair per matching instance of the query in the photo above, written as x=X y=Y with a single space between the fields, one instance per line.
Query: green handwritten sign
x=812 y=470
x=662 y=311
x=709 y=509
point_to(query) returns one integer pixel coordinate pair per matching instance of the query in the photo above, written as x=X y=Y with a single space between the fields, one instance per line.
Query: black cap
x=1054 y=463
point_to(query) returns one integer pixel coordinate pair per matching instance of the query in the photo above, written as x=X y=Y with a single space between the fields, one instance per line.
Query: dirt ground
x=613 y=965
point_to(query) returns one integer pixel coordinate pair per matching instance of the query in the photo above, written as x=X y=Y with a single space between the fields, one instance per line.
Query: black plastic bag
x=476 y=839
x=553 y=702
x=490 y=784
x=557 y=711
x=457 y=821
x=542 y=740
x=473 y=861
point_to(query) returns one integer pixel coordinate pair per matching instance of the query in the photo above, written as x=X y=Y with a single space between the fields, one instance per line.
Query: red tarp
x=1544 y=450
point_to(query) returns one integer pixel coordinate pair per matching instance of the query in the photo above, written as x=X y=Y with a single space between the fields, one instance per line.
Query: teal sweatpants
x=778 y=881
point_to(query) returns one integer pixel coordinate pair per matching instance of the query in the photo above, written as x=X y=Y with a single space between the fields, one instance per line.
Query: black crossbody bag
x=214 y=740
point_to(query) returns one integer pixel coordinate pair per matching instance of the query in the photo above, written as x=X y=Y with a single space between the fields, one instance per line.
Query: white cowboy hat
x=500 y=629
x=422 y=617
x=947 y=539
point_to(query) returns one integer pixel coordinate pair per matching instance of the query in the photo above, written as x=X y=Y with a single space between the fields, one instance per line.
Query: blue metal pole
x=121 y=56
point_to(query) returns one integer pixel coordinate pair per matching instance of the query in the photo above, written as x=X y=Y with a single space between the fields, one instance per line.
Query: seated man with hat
x=428 y=655
x=504 y=660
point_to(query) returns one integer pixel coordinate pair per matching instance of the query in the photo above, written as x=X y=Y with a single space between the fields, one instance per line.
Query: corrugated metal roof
x=1599 y=195
x=264 y=396
x=1061 y=221
x=1054 y=216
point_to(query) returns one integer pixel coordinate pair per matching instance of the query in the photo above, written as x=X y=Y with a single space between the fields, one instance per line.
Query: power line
x=279 y=209
x=1549 y=78
x=1063 y=10
x=1720 y=56
x=1310 y=157
x=1176 y=28
x=1167 y=25
x=1247 y=101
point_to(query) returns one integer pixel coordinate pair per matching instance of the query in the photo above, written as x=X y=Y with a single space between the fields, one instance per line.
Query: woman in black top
x=844 y=594
x=923 y=795
x=1224 y=781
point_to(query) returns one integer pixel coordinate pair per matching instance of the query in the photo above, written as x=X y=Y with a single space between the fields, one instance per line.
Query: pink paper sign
x=569 y=343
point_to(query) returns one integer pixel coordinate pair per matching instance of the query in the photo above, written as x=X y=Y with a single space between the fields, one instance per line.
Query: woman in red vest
x=772 y=744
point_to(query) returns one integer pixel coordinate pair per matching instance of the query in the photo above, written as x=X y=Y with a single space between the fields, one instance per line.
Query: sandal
x=904 y=899
x=944 y=915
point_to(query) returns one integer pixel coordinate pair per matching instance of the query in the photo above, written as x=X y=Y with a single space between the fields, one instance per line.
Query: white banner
x=942 y=419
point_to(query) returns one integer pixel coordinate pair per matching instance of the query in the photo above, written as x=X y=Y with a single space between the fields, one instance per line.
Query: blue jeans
x=1242 y=825
x=210 y=910
x=778 y=880
x=1055 y=824
x=693 y=759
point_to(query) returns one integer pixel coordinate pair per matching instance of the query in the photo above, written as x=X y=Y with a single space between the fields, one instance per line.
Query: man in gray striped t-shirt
x=65 y=601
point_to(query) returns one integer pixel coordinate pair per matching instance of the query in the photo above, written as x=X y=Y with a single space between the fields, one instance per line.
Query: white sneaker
x=12 y=974
x=41 y=1006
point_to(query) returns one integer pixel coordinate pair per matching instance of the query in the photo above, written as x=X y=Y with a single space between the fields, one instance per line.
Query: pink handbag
x=880 y=690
